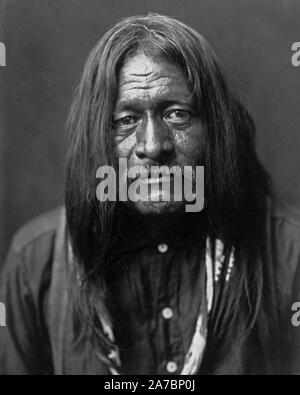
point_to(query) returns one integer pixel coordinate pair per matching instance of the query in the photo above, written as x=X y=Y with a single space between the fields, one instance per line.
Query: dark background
x=48 y=41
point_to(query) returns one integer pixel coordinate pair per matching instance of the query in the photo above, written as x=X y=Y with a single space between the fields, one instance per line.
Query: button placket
x=170 y=353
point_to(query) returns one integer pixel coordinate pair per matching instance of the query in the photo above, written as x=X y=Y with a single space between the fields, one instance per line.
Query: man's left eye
x=179 y=116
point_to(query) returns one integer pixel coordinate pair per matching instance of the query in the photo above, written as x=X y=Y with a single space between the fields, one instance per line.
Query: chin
x=160 y=208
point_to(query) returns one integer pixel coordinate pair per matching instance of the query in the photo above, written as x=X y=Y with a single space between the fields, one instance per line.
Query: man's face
x=155 y=121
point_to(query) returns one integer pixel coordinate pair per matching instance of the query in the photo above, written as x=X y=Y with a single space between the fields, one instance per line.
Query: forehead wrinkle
x=176 y=93
x=173 y=92
x=148 y=79
x=141 y=74
x=147 y=86
x=147 y=71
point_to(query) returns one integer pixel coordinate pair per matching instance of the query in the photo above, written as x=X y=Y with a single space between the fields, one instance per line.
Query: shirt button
x=171 y=367
x=162 y=248
x=167 y=313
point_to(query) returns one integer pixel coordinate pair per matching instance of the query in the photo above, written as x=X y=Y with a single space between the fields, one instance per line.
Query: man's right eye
x=126 y=122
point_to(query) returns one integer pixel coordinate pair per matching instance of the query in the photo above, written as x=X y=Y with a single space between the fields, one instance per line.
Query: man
x=143 y=286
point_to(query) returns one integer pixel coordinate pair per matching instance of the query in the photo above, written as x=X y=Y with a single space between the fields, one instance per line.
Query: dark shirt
x=157 y=287
x=156 y=296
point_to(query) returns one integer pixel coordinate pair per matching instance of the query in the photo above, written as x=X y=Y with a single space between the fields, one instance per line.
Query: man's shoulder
x=284 y=238
x=37 y=229
x=286 y=214
x=31 y=253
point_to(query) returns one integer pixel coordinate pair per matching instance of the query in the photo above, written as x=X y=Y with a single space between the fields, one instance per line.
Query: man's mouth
x=159 y=187
x=152 y=178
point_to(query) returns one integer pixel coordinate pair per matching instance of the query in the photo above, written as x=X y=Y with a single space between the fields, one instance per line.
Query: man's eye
x=179 y=116
x=125 y=122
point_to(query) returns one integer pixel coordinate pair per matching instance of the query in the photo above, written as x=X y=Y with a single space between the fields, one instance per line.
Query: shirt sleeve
x=24 y=345
x=295 y=313
x=286 y=254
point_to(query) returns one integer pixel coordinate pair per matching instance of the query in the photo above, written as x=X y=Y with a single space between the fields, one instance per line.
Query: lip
x=156 y=180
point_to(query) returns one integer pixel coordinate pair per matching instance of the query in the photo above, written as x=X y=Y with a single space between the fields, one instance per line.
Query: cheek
x=188 y=144
x=124 y=147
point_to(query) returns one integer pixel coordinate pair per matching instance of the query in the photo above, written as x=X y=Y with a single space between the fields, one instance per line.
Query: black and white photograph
x=149 y=190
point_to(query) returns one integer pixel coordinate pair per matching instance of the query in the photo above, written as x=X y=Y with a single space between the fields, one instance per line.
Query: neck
x=160 y=226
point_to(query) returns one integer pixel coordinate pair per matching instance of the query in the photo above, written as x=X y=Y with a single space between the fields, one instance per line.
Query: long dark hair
x=235 y=187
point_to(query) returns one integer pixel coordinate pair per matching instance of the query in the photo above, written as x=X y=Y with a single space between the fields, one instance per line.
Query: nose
x=155 y=142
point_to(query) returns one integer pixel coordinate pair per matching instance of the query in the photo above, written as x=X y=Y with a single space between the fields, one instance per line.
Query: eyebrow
x=135 y=104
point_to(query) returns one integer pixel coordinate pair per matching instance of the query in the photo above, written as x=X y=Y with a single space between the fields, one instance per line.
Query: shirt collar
x=132 y=235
